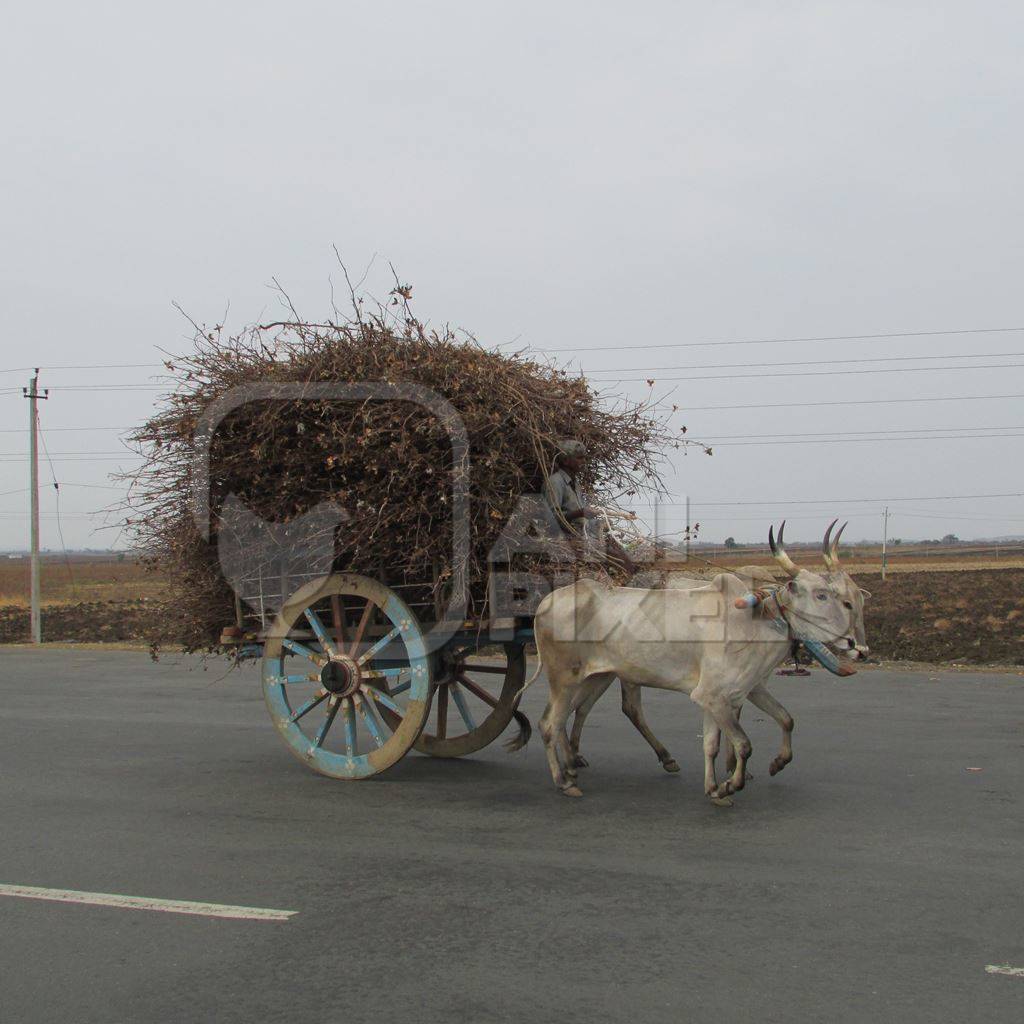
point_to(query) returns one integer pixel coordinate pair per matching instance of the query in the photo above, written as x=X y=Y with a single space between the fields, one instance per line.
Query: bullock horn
x=779 y=552
x=835 y=545
x=826 y=547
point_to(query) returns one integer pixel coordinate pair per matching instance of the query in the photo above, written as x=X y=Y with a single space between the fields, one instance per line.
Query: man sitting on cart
x=570 y=510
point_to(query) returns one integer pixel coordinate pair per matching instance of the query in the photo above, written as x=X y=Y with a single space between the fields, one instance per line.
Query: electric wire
x=812 y=373
x=804 y=362
x=56 y=495
x=858 y=401
x=788 y=341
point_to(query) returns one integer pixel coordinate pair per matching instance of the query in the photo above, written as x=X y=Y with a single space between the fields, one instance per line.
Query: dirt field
x=960 y=617
x=911 y=558
x=971 y=614
x=81 y=579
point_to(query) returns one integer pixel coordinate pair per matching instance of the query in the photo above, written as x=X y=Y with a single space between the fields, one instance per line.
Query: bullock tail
x=525 y=729
x=521 y=738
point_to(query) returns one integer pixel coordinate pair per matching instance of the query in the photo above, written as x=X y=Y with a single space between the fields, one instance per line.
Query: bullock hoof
x=671 y=765
x=723 y=789
x=722 y=801
x=777 y=765
x=579 y=761
x=572 y=791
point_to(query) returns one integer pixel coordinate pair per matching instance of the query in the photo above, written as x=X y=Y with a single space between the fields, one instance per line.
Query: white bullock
x=715 y=642
x=850 y=594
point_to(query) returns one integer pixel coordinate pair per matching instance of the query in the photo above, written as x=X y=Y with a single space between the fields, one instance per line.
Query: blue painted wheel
x=346 y=676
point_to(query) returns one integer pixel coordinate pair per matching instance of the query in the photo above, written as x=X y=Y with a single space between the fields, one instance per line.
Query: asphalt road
x=873 y=880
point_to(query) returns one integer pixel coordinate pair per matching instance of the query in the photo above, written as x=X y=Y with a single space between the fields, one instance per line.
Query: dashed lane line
x=107 y=899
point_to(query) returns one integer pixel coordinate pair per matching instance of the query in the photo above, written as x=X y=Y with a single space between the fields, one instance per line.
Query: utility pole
x=885 y=536
x=33 y=395
x=687 y=527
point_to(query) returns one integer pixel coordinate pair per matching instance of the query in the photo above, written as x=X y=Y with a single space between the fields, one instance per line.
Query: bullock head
x=813 y=608
x=849 y=593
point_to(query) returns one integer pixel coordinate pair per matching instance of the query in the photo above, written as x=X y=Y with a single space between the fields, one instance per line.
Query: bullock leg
x=761 y=698
x=584 y=709
x=712 y=736
x=586 y=695
x=633 y=710
x=730 y=757
x=724 y=717
x=552 y=723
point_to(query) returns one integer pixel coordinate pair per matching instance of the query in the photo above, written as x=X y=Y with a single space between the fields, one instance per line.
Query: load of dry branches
x=384 y=464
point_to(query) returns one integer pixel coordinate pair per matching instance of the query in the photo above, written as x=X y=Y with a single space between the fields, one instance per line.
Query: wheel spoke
x=460 y=703
x=479 y=691
x=361 y=628
x=383 y=698
x=338 y=621
x=350 y=727
x=382 y=673
x=378 y=646
x=321 y=633
x=328 y=722
x=296 y=648
x=498 y=670
x=401 y=688
x=369 y=716
x=442 y=712
x=308 y=706
x=313 y=678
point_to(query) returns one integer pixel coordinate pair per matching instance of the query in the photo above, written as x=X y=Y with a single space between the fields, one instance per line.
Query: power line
x=48 y=515
x=15 y=430
x=712 y=437
x=91 y=458
x=789 y=341
x=844 y=433
x=56 y=494
x=951 y=515
x=861 y=401
x=837 y=501
x=815 y=373
x=857 y=516
x=863 y=440
x=109 y=387
x=96 y=487
x=804 y=362
x=60 y=454
x=637 y=380
x=86 y=366
x=613 y=348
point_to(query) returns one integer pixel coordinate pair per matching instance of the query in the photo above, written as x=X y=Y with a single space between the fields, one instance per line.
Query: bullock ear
x=792 y=587
x=865 y=593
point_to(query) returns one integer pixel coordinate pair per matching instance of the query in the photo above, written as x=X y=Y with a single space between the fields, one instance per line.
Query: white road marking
x=106 y=899
x=1013 y=972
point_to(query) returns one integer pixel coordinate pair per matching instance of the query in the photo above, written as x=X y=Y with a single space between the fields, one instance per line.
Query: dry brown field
x=81 y=578
x=944 y=606
x=865 y=558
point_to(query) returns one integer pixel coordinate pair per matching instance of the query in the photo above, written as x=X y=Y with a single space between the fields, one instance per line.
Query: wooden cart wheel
x=473 y=699
x=346 y=676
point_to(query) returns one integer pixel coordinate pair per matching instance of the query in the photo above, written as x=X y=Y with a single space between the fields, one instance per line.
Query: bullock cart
x=357 y=671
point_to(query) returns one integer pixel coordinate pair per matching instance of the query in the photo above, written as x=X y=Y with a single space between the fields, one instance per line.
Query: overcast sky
x=557 y=174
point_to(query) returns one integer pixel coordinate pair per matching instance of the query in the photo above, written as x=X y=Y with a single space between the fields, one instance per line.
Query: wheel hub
x=341 y=676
